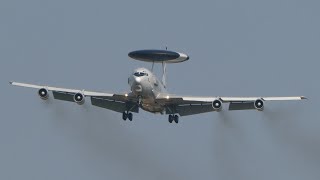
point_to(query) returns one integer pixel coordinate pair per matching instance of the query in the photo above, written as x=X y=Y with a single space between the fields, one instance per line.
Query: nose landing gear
x=174 y=118
x=127 y=115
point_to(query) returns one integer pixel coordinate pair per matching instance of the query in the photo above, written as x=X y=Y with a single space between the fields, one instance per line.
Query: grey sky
x=237 y=48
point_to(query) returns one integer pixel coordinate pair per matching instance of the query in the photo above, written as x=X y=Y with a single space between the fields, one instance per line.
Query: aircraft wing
x=115 y=102
x=189 y=105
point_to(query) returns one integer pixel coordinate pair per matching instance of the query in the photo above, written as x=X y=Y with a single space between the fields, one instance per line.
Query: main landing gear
x=127 y=115
x=174 y=118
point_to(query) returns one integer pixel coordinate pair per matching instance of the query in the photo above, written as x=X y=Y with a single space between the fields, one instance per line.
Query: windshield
x=138 y=74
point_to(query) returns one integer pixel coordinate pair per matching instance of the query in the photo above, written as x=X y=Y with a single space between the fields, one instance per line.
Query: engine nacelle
x=217 y=105
x=79 y=98
x=43 y=93
x=259 y=105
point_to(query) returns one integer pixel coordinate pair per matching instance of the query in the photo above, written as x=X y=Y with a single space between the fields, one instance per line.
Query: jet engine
x=258 y=104
x=217 y=105
x=43 y=93
x=79 y=98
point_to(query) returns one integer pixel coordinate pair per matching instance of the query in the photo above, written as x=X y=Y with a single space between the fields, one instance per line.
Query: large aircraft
x=149 y=93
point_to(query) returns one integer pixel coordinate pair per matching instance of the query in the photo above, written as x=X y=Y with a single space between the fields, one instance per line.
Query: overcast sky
x=237 y=48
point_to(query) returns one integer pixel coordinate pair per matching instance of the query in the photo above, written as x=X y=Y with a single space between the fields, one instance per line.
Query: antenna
x=159 y=56
x=164 y=74
x=152 y=66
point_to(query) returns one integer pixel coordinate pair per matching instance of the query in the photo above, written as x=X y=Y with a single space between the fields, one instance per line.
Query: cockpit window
x=138 y=74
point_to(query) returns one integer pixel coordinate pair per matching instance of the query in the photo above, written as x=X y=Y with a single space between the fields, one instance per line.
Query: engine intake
x=79 y=98
x=43 y=93
x=217 y=105
x=258 y=104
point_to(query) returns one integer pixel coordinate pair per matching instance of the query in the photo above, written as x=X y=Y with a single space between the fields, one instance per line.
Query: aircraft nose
x=136 y=86
x=137 y=80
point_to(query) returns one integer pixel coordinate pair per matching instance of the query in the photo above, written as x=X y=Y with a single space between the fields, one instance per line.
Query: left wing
x=188 y=105
x=115 y=102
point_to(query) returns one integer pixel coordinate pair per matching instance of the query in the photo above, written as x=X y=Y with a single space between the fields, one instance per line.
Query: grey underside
x=115 y=104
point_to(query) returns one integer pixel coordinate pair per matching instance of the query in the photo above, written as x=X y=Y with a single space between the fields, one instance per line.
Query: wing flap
x=63 y=96
x=184 y=100
x=193 y=109
x=241 y=106
x=117 y=106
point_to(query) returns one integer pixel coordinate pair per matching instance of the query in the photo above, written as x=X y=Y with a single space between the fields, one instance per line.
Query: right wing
x=189 y=105
x=115 y=102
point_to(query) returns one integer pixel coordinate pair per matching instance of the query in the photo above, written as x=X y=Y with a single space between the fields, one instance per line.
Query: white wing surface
x=241 y=99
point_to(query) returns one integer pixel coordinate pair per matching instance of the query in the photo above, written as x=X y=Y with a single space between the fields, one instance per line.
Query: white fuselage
x=144 y=84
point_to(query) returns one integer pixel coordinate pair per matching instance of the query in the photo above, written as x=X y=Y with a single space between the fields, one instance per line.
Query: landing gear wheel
x=176 y=119
x=124 y=116
x=130 y=116
x=170 y=118
x=139 y=100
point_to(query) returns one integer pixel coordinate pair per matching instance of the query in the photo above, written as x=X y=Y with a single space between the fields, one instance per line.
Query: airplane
x=150 y=94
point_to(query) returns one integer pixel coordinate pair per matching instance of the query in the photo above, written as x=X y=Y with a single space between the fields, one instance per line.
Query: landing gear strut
x=127 y=115
x=174 y=118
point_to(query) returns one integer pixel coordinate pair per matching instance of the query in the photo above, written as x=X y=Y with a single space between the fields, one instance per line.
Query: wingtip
x=303 y=97
x=10 y=82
